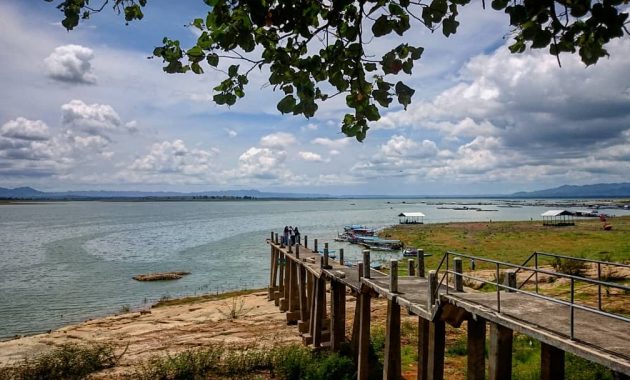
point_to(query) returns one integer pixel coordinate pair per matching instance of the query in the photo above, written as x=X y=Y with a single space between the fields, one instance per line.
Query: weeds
x=218 y=361
x=234 y=308
x=69 y=361
x=569 y=266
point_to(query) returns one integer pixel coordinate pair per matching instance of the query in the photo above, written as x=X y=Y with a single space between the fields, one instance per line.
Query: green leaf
x=196 y=68
x=449 y=26
x=213 y=59
x=404 y=94
x=382 y=26
x=287 y=104
x=370 y=66
x=233 y=70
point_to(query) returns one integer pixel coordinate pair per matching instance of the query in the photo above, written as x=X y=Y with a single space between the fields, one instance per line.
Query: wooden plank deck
x=598 y=338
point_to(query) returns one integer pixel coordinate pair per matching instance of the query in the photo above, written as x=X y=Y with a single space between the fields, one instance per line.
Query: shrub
x=569 y=266
x=69 y=361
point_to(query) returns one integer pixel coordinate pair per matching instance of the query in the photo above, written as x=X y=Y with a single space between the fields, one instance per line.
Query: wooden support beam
x=320 y=305
x=312 y=289
x=391 y=365
x=286 y=276
x=510 y=280
x=500 y=353
x=304 y=309
x=411 y=269
x=338 y=315
x=459 y=281
x=294 y=299
x=476 y=349
x=437 y=338
x=273 y=277
x=364 y=336
x=341 y=261
x=420 y=258
x=551 y=362
x=423 y=348
x=393 y=276
x=366 y=263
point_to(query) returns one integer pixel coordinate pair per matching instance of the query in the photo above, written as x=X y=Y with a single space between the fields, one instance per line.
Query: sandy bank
x=168 y=329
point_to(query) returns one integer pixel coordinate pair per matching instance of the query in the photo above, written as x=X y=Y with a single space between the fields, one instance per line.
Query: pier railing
x=500 y=268
x=537 y=256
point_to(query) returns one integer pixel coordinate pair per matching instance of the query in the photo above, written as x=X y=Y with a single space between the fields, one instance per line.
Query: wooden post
x=279 y=293
x=437 y=338
x=313 y=295
x=420 y=257
x=320 y=305
x=294 y=295
x=277 y=238
x=297 y=251
x=432 y=290
x=357 y=320
x=305 y=241
x=423 y=348
x=272 y=271
x=391 y=365
x=500 y=353
x=304 y=310
x=393 y=276
x=364 y=336
x=366 y=263
x=510 y=280
x=341 y=256
x=326 y=266
x=459 y=283
x=551 y=362
x=284 y=296
x=315 y=246
x=476 y=349
x=338 y=315
x=411 y=269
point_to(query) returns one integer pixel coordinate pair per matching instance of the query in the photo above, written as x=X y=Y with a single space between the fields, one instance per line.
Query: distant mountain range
x=30 y=193
x=584 y=191
x=566 y=191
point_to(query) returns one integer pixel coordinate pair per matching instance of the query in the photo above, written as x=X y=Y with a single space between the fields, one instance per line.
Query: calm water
x=65 y=262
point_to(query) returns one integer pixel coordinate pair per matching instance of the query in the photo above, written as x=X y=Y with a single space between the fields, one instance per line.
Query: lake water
x=66 y=262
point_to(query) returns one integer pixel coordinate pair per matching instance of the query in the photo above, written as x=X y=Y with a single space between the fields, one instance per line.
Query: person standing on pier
x=296 y=233
x=285 y=235
x=291 y=236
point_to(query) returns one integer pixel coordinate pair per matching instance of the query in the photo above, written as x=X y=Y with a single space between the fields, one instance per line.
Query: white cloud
x=231 y=133
x=332 y=144
x=175 y=159
x=278 y=140
x=92 y=119
x=24 y=129
x=71 y=64
x=310 y=156
x=261 y=163
x=403 y=146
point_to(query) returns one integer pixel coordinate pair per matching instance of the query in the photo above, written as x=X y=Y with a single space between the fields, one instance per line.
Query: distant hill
x=30 y=193
x=584 y=191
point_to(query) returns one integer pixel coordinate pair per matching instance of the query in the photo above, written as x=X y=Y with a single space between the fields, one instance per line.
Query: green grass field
x=515 y=241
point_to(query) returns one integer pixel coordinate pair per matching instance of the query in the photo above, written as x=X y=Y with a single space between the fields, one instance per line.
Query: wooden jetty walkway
x=301 y=276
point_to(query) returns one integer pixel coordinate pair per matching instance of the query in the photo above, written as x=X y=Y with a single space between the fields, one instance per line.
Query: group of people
x=291 y=235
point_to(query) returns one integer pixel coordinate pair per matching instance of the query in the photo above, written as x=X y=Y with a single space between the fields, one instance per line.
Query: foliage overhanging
x=316 y=49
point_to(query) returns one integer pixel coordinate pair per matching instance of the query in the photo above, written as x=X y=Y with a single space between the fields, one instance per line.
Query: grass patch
x=291 y=362
x=69 y=361
x=515 y=241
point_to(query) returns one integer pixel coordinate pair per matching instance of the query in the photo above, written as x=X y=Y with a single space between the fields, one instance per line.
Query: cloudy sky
x=88 y=110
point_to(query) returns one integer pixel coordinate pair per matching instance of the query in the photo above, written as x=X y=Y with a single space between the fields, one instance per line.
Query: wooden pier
x=303 y=276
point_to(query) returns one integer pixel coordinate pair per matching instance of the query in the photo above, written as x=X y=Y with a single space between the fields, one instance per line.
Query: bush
x=69 y=361
x=569 y=266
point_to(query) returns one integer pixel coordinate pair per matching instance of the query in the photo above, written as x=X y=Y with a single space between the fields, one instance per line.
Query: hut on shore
x=411 y=218
x=558 y=218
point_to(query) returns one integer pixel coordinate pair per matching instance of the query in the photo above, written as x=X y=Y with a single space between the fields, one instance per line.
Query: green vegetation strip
x=515 y=241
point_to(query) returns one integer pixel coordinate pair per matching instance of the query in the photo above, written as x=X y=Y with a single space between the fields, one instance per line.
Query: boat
x=377 y=244
x=412 y=252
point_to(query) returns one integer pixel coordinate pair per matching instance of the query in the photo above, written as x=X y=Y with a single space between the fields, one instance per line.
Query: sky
x=87 y=109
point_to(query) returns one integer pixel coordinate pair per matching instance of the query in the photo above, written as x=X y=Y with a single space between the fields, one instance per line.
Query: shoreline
x=240 y=318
